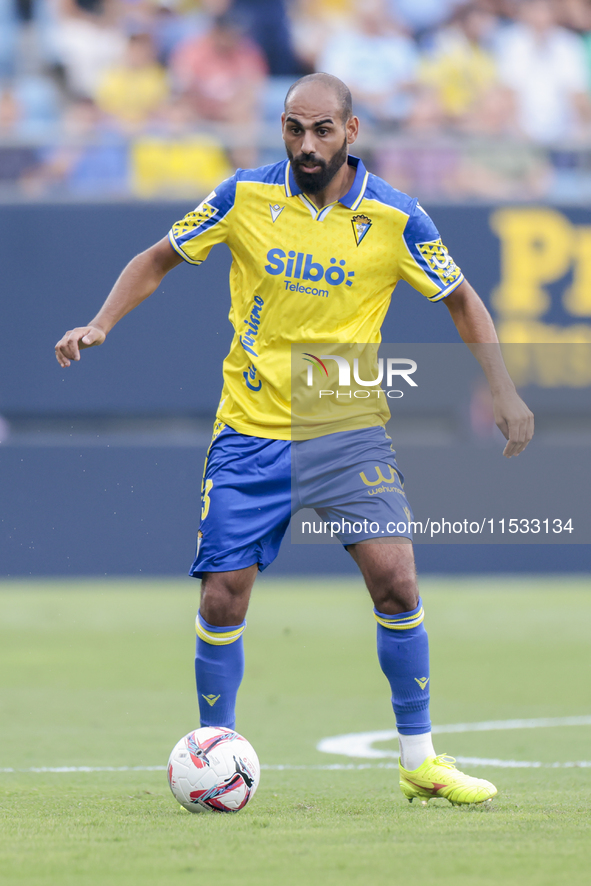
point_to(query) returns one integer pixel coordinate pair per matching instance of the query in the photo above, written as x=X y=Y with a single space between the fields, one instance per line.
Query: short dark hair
x=341 y=91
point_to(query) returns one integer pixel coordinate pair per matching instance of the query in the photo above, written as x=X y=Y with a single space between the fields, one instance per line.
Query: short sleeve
x=425 y=263
x=208 y=224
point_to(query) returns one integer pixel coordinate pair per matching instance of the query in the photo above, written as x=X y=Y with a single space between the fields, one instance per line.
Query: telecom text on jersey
x=301 y=266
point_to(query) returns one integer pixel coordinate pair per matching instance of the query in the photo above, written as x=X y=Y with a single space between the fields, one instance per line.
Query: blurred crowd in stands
x=110 y=99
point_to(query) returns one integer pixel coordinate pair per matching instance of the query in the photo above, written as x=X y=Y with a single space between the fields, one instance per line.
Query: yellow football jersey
x=304 y=276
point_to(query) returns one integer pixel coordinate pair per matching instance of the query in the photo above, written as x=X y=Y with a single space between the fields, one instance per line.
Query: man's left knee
x=396 y=594
x=390 y=575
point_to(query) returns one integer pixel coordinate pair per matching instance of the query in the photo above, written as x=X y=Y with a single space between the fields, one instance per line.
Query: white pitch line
x=472 y=761
x=88 y=769
x=359 y=745
x=329 y=767
x=493 y=725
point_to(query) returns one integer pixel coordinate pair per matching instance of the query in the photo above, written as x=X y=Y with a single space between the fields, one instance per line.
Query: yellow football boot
x=438 y=777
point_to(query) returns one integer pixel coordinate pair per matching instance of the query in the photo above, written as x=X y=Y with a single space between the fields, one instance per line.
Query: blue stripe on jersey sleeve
x=198 y=222
x=424 y=244
x=419 y=229
x=218 y=204
x=422 y=240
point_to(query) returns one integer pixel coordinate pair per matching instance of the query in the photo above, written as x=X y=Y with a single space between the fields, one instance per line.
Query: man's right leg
x=219 y=653
x=245 y=510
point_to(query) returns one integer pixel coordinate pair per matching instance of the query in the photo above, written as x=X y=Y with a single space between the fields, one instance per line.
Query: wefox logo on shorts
x=301 y=266
x=395 y=367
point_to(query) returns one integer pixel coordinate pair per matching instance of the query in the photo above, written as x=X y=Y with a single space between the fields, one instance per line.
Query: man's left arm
x=477 y=330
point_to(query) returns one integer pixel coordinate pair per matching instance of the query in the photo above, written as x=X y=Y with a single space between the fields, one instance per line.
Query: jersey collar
x=354 y=195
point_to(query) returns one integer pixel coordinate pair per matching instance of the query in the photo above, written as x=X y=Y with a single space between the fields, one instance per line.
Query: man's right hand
x=68 y=348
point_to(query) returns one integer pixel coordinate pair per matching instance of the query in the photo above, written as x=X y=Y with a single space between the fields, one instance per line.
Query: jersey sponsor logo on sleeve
x=197 y=217
x=439 y=261
x=361 y=225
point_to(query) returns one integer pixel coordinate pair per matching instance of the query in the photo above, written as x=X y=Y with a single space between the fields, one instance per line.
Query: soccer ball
x=213 y=770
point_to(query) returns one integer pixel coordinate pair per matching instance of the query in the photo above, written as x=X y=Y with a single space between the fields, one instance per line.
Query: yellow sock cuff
x=217 y=636
x=402 y=622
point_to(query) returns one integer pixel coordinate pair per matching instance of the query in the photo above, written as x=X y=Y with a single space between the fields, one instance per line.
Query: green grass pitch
x=99 y=674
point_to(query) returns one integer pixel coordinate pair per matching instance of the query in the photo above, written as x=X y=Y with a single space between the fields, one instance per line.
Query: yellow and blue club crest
x=361 y=225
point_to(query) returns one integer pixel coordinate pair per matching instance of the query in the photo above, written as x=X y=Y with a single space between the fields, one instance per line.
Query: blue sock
x=219 y=667
x=403 y=653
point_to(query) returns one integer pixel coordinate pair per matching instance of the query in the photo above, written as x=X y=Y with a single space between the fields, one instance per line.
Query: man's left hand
x=514 y=420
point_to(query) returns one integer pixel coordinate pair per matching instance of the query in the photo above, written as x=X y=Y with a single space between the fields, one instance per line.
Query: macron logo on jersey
x=276 y=211
x=301 y=266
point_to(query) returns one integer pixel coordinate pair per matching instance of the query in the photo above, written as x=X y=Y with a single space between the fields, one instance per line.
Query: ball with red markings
x=213 y=770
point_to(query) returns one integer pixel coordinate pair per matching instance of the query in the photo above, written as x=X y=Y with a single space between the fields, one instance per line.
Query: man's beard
x=314 y=182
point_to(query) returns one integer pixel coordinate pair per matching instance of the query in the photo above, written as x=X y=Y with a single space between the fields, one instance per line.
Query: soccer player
x=318 y=245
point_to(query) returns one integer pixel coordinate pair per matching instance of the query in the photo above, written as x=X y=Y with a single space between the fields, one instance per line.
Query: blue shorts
x=252 y=486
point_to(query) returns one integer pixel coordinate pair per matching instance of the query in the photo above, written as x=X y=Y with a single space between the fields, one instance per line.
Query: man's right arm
x=136 y=282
